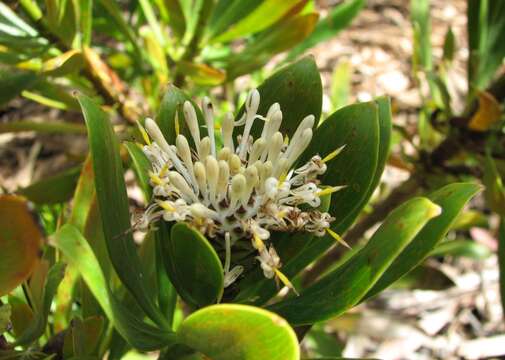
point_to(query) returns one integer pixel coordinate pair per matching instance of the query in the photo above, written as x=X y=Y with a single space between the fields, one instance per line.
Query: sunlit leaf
x=239 y=332
x=342 y=288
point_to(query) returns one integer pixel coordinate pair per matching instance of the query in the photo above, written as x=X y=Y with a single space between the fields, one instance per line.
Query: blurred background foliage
x=124 y=54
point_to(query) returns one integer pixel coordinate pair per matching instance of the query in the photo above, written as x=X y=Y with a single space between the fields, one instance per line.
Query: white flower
x=243 y=190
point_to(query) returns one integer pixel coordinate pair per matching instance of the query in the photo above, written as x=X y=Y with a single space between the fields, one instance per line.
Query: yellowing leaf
x=20 y=242
x=487 y=114
x=68 y=62
x=202 y=74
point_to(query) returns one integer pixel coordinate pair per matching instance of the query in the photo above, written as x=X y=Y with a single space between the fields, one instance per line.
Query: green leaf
x=449 y=45
x=20 y=242
x=38 y=324
x=338 y=18
x=67 y=63
x=52 y=190
x=239 y=332
x=345 y=286
x=193 y=266
x=366 y=135
x=451 y=198
x=14 y=82
x=84 y=196
x=46 y=127
x=495 y=191
x=420 y=15
x=341 y=84
x=266 y=14
x=139 y=334
x=141 y=166
x=278 y=38
x=113 y=205
x=228 y=12
x=171 y=105
x=298 y=90
x=461 y=247
x=485 y=28
x=116 y=15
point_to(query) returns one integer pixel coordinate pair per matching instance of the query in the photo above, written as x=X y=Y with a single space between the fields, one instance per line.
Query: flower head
x=243 y=190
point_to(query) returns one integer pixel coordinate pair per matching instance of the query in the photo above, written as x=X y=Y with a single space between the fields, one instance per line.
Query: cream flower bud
x=205 y=145
x=201 y=177
x=238 y=185
x=192 y=122
x=257 y=149
x=209 y=121
x=212 y=169
x=235 y=164
x=178 y=181
x=275 y=147
x=227 y=131
x=224 y=174
x=224 y=154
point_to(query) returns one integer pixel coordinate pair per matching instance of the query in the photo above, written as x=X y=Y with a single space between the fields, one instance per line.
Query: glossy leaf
x=52 y=190
x=451 y=198
x=345 y=286
x=239 y=332
x=266 y=14
x=337 y=19
x=38 y=324
x=20 y=242
x=193 y=266
x=113 y=206
x=356 y=126
x=172 y=102
x=298 y=90
x=139 y=334
x=141 y=165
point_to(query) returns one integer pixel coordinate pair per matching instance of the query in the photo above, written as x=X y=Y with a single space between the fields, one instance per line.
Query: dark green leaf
x=345 y=286
x=52 y=190
x=171 y=105
x=451 y=199
x=298 y=90
x=239 y=332
x=193 y=266
x=14 y=82
x=113 y=205
x=139 y=334
x=141 y=166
